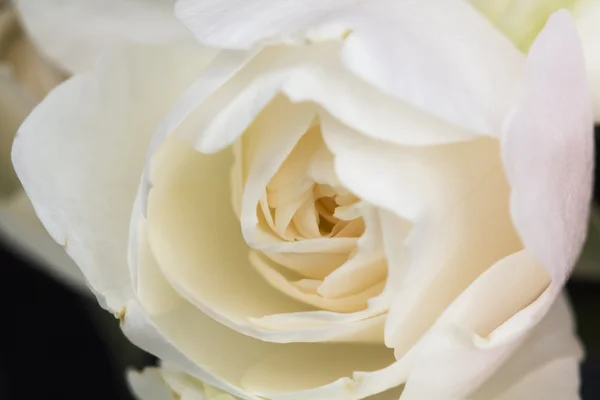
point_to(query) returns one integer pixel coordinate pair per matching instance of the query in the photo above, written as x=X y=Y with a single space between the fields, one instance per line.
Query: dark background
x=54 y=342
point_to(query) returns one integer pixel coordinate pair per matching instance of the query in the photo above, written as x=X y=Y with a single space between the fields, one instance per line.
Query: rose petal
x=213 y=119
x=456 y=198
x=293 y=288
x=80 y=155
x=453 y=341
x=210 y=359
x=468 y=332
x=207 y=262
x=189 y=388
x=468 y=78
x=547 y=150
x=587 y=15
x=545 y=366
x=364 y=268
x=190 y=252
x=73 y=33
x=264 y=150
x=224 y=358
x=394 y=232
x=266 y=376
x=22 y=229
x=148 y=385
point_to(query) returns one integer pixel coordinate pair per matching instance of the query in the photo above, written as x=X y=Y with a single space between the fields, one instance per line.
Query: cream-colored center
x=304 y=202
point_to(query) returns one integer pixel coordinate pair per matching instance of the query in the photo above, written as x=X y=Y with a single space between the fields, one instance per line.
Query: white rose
x=350 y=199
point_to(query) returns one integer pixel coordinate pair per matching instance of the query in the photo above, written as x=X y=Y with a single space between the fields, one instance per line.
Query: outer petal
x=545 y=366
x=22 y=229
x=80 y=155
x=548 y=149
x=468 y=78
x=547 y=153
x=455 y=196
x=24 y=78
x=148 y=385
x=587 y=15
x=166 y=383
x=229 y=95
x=241 y=365
x=73 y=33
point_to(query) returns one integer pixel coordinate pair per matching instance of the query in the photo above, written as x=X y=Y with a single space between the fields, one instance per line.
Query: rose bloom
x=337 y=200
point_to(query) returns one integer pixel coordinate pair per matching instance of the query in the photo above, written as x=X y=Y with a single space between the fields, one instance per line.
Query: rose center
x=316 y=227
x=304 y=200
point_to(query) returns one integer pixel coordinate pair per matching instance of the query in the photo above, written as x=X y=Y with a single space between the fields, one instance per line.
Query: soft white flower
x=349 y=199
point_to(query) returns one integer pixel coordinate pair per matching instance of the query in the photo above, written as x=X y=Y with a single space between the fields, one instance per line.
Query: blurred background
x=56 y=342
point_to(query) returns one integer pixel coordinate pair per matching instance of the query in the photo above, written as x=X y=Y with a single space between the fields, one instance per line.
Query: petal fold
x=80 y=155
x=548 y=150
x=468 y=79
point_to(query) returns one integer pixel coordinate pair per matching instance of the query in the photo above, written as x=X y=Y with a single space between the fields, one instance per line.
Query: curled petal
x=455 y=196
x=207 y=262
x=547 y=149
x=231 y=93
x=468 y=79
x=473 y=331
x=80 y=153
x=547 y=153
x=545 y=366
x=241 y=365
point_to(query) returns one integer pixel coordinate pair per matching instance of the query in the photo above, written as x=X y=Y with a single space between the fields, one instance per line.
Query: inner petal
x=306 y=290
x=303 y=201
x=207 y=262
x=303 y=196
